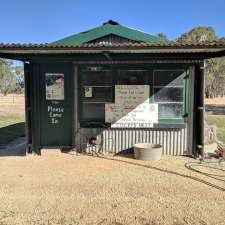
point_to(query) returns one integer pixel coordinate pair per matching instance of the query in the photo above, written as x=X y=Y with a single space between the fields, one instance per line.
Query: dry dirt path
x=58 y=188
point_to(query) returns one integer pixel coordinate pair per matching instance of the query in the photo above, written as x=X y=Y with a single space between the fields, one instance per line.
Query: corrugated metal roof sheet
x=142 y=47
x=107 y=28
x=170 y=44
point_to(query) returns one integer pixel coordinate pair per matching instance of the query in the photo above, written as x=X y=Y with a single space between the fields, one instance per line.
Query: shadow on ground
x=11 y=132
x=12 y=141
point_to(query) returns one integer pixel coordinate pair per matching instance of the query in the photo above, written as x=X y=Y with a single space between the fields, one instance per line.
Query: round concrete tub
x=146 y=151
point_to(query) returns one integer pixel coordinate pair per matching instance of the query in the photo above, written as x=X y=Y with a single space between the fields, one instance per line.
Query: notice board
x=131 y=108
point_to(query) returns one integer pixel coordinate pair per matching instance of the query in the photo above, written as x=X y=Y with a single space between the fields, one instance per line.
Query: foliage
x=215 y=71
x=215 y=77
x=19 y=75
x=198 y=34
x=163 y=37
x=7 y=80
x=219 y=121
x=11 y=78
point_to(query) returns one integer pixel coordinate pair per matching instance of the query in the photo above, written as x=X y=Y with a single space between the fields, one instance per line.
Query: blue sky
x=41 y=21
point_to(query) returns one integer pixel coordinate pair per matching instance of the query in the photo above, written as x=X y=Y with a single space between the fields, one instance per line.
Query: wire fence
x=11 y=98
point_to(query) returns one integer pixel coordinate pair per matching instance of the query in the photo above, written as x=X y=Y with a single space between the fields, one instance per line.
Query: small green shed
x=114 y=86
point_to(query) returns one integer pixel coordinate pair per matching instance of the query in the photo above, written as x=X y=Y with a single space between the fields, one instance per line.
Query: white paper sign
x=54 y=86
x=131 y=108
x=88 y=92
x=131 y=94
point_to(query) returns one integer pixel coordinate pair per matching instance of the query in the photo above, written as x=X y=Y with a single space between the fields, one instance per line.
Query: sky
x=43 y=21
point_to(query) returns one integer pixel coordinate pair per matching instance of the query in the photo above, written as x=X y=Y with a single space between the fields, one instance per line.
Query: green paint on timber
x=107 y=28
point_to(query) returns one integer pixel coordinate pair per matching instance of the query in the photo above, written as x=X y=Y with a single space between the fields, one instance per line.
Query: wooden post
x=27 y=107
x=200 y=95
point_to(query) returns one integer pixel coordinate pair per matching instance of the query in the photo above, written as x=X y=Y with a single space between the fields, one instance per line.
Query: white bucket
x=147 y=151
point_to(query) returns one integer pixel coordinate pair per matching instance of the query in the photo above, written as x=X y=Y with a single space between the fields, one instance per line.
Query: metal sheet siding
x=116 y=140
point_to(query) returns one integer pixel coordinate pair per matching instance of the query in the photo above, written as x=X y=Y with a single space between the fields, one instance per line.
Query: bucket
x=147 y=151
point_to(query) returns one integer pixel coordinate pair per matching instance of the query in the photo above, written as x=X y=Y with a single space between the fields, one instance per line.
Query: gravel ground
x=59 y=188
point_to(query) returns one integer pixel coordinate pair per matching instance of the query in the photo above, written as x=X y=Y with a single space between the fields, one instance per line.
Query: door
x=56 y=105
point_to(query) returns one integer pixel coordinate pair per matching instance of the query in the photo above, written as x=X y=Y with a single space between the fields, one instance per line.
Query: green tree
x=198 y=34
x=215 y=71
x=7 y=79
x=163 y=37
x=215 y=77
x=19 y=75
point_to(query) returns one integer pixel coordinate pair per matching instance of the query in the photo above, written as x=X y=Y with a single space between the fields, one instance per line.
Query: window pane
x=168 y=78
x=170 y=110
x=97 y=78
x=132 y=77
x=54 y=86
x=93 y=111
x=97 y=94
x=168 y=94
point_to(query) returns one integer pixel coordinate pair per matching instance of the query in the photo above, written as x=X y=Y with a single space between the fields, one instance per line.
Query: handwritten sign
x=55 y=114
x=131 y=94
x=131 y=108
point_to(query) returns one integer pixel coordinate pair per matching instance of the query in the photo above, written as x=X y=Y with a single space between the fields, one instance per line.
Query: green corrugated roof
x=107 y=28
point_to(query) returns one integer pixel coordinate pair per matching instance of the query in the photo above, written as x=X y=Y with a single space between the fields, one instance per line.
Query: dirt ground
x=219 y=101
x=71 y=189
x=60 y=188
x=12 y=105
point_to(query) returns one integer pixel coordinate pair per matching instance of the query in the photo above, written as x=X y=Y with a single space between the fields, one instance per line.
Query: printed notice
x=132 y=108
x=54 y=86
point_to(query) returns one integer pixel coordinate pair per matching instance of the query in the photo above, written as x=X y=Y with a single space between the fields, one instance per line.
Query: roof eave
x=83 y=50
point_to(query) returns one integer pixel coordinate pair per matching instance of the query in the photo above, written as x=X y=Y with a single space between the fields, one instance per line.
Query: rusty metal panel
x=117 y=140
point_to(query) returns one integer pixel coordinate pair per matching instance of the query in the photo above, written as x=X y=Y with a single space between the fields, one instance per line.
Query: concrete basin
x=147 y=151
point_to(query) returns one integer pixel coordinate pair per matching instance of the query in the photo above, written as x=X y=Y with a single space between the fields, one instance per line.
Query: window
x=93 y=111
x=96 y=91
x=167 y=88
x=169 y=93
x=132 y=77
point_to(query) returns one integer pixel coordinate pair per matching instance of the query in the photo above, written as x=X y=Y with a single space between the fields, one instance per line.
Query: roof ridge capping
x=112 y=22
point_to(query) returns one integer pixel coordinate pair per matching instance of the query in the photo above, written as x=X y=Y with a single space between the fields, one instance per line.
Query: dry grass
x=61 y=188
x=12 y=117
x=12 y=105
x=219 y=101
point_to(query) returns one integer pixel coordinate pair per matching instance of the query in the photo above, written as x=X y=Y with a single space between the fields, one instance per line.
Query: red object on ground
x=220 y=152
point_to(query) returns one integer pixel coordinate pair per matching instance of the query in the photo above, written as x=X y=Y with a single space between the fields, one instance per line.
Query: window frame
x=141 y=67
x=175 y=120
x=80 y=89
